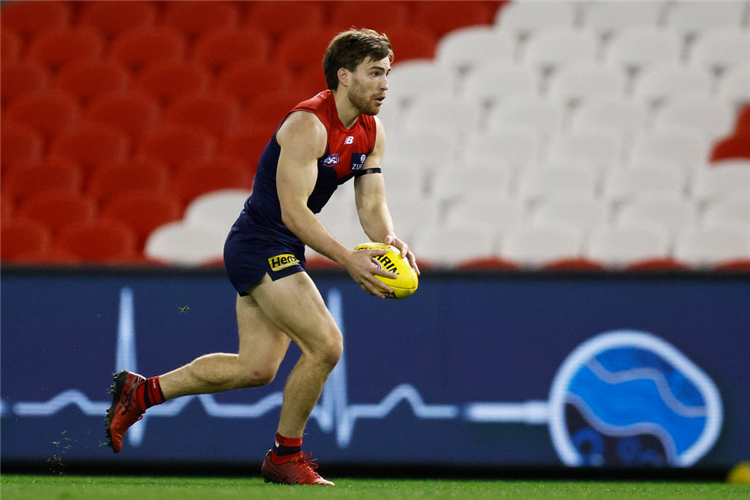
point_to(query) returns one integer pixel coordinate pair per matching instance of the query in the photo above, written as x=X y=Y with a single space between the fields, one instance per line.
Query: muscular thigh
x=295 y=305
x=262 y=343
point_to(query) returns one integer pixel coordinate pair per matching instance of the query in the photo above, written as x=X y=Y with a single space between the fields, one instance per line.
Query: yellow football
x=406 y=281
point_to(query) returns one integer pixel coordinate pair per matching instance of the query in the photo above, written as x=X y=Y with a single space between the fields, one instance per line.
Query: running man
x=321 y=143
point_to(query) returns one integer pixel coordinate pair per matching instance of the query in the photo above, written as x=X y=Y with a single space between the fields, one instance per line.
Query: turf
x=159 y=488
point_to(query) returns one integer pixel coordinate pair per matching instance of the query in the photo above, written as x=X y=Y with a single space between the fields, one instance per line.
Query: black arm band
x=368 y=171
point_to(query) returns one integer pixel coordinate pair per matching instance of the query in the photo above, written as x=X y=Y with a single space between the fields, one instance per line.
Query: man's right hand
x=361 y=268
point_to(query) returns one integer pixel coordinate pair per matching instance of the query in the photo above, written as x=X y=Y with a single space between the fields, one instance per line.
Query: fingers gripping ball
x=406 y=282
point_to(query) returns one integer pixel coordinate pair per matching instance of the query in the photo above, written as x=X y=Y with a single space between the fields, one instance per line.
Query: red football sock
x=284 y=448
x=149 y=394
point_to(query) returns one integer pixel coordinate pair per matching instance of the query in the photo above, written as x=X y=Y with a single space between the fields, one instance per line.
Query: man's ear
x=344 y=77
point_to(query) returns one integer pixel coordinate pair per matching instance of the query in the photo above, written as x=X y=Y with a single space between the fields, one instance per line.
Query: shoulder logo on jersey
x=358 y=160
x=331 y=160
x=282 y=261
x=349 y=139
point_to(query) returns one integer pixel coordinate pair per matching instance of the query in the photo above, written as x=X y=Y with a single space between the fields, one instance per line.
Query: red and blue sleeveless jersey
x=346 y=152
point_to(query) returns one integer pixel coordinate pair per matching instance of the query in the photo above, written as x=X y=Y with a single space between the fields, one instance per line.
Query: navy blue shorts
x=248 y=256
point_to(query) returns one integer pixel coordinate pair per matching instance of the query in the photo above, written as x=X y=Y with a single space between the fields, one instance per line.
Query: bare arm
x=303 y=139
x=371 y=202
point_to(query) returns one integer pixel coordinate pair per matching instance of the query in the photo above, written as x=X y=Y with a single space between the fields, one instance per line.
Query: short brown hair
x=350 y=48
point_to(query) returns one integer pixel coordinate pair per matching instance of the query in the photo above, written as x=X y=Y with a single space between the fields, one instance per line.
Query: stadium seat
x=522 y=18
x=181 y=245
x=57 y=47
x=642 y=47
x=712 y=183
x=138 y=48
x=50 y=256
x=474 y=46
x=27 y=178
x=542 y=116
x=666 y=81
x=537 y=246
x=88 y=78
x=432 y=111
x=92 y=145
x=305 y=85
x=595 y=146
x=729 y=211
x=742 y=123
x=579 y=264
x=610 y=112
x=221 y=48
x=620 y=246
x=143 y=210
x=734 y=265
x=504 y=215
x=216 y=209
x=303 y=47
x=627 y=183
x=246 y=145
x=244 y=80
x=484 y=264
x=557 y=47
x=113 y=18
x=702 y=247
x=405 y=183
x=171 y=80
x=382 y=16
x=539 y=183
x=452 y=15
x=410 y=215
x=734 y=147
x=671 y=215
x=21 y=78
x=200 y=176
x=657 y=265
x=518 y=148
x=102 y=241
x=606 y=18
x=582 y=214
x=267 y=111
x=711 y=116
x=414 y=43
x=7 y=210
x=421 y=149
x=578 y=82
x=688 y=147
x=55 y=209
x=493 y=83
x=133 y=113
x=198 y=17
x=277 y=18
x=21 y=236
x=735 y=85
x=113 y=178
x=437 y=244
x=20 y=142
x=30 y=18
x=217 y=114
x=414 y=78
x=50 y=113
x=10 y=45
x=719 y=50
x=692 y=18
x=175 y=144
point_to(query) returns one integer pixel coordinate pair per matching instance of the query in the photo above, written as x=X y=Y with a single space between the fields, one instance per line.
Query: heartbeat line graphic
x=333 y=412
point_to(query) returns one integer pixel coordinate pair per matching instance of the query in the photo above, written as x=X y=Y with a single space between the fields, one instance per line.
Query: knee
x=329 y=351
x=258 y=377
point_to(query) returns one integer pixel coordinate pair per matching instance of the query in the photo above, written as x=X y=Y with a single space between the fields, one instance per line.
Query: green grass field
x=158 y=488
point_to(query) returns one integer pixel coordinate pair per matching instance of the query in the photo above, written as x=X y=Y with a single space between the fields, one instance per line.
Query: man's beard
x=358 y=99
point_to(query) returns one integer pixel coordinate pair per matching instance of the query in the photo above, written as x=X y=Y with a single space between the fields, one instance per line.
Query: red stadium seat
x=218 y=49
x=140 y=47
x=198 y=177
x=21 y=78
x=742 y=125
x=20 y=142
x=412 y=43
x=486 y=264
x=379 y=15
x=93 y=145
x=247 y=145
x=309 y=83
x=50 y=113
x=50 y=256
x=452 y=15
x=269 y=109
x=735 y=265
x=58 y=208
x=197 y=17
x=101 y=241
x=112 y=18
x=143 y=210
x=577 y=264
x=7 y=210
x=88 y=78
x=28 y=178
x=30 y=18
x=247 y=80
x=217 y=114
x=737 y=146
x=10 y=45
x=177 y=144
x=304 y=47
x=666 y=264
x=20 y=236
x=170 y=80
x=279 y=18
x=57 y=47
x=113 y=178
x=134 y=113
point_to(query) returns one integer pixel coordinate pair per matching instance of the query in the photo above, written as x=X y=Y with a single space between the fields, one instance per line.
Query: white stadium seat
x=432 y=111
x=503 y=215
x=642 y=47
x=582 y=214
x=411 y=79
x=607 y=17
x=728 y=211
x=216 y=209
x=716 y=181
x=496 y=82
x=465 y=48
x=579 y=81
x=518 y=148
x=735 y=84
x=404 y=183
x=669 y=80
x=457 y=184
x=617 y=113
x=522 y=18
x=711 y=116
x=451 y=245
x=543 y=116
x=554 y=48
x=179 y=244
x=721 y=49
x=420 y=149
x=671 y=215
x=627 y=183
x=688 y=147
x=620 y=246
x=536 y=246
x=600 y=147
x=691 y=18
x=538 y=183
x=712 y=246
x=411 y=215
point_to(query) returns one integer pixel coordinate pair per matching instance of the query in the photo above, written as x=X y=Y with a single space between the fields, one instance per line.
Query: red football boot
x=298 y=470
x=125 y=409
